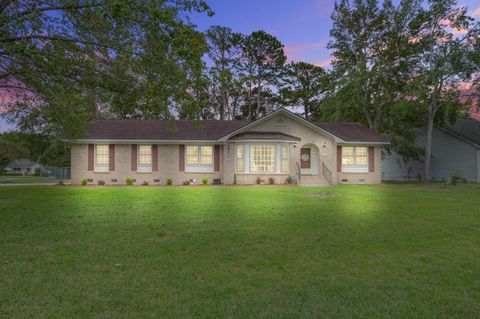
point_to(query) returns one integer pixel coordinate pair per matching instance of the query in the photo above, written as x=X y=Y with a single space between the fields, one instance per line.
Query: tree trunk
x=258 y=101
x=428 y=145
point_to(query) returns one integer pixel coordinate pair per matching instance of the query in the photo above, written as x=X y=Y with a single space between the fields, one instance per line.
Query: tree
x=11 y=148
x=262 y=63
x=443 y=64
x=224 y=51
x=71 y=61
x=305 y=85
x=373 y=59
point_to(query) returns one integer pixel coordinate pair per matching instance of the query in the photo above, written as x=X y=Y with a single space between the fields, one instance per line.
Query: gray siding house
x=455 y=151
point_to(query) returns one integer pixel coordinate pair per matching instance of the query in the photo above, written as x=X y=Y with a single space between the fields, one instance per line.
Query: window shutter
x=216 y=158
x=371 y=159
x=111 y=157
x=181 y=158
x=155 y=157
x=90 y=156
x=339 y=158
x=134 y=158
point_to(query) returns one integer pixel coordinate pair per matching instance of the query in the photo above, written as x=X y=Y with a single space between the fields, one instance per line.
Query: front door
x=305 y=158
x=308 y=161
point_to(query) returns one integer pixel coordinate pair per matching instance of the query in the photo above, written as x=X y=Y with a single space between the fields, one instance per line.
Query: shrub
x=101 y=182
x=204 y=181
x=234 y=179
x=454 y=179
x=169 y=181
x=60 y=182
x=289 y=179
x=258 y=180
x=129 y=181
x=186 y=183
x=83 y=181
x=271 y=180
x=145 y=183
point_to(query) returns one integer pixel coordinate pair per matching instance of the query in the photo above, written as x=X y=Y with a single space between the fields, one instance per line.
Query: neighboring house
x=455 y=151
x=279 y=145
x=22 y=166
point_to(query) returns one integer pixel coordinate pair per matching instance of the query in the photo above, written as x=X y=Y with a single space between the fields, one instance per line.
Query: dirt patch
x=321 y=195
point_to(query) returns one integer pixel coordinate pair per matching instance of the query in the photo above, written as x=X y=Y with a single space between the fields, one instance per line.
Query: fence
x=62 y=173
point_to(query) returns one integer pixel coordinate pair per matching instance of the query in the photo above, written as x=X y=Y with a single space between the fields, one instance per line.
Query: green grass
x=393 y=251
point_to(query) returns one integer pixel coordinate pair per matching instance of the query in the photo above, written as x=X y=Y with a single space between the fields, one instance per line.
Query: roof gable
x=286 y=113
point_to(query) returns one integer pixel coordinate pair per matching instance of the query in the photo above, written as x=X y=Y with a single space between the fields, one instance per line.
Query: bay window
x=199 y=158
x=144 y=158
x=262 y=158
x=101 y=158
x=354 y=159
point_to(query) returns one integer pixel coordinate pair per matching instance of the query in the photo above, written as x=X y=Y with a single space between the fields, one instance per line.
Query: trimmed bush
x=204 y=181
x=289 y=180
x=101 y=182
x=258 y=181
x=129 y=181
x=83 y=181
x=169 y=182
x=271 y=180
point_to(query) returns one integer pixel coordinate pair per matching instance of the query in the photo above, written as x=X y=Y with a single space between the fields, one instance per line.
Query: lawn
x=392 y=251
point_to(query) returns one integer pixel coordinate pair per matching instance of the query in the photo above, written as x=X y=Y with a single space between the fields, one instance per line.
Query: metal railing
x=327 y=173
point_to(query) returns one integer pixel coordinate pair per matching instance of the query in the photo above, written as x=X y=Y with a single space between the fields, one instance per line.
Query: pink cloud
x=457 y=32
x=293 y=50
x=476 y=13
x=324 y=63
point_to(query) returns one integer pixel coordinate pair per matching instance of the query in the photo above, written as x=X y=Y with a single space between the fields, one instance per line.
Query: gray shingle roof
x=252 y=135
x=206 y=130
x=353 y=132
x=468 y=129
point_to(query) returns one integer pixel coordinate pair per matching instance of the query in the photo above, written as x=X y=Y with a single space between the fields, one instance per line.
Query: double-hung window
x=101 y=158
x=144 y=158
x=199 y=158
x=262 y=158
x=354 y=159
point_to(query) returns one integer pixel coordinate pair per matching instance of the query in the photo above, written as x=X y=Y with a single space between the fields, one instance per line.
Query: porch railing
x=327 y=173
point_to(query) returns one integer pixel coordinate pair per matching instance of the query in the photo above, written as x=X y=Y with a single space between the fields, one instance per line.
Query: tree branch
x=54 y=8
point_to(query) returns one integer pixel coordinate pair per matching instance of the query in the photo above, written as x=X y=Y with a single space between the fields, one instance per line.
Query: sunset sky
x=302 y=26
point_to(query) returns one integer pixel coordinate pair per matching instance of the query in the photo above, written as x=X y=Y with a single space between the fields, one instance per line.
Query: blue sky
x=302 y=26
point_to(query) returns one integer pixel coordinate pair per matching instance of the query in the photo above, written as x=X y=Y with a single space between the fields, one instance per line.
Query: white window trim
x=278 y=158
x=199 y=168
x=355 y=168
x=144 y=168
x=100 y=168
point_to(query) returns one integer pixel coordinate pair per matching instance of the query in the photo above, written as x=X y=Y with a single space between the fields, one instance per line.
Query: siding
x=450 y=156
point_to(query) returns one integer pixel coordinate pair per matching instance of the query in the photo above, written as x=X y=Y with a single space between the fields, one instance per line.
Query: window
x=240 y=158
x=101 y=158
x=284 y=158
x=262 y=158
x=354 y=159
x=144 y=158
x=199 y=158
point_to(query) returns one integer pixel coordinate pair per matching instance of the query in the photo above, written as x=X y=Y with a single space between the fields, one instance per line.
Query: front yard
x=251 y=252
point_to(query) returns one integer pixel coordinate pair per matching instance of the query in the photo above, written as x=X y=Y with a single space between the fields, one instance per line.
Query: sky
x=301 y=25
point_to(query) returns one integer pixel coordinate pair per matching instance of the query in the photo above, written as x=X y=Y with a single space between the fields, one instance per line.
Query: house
x=279 y=145
x=22 y=166
x=455 y=151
